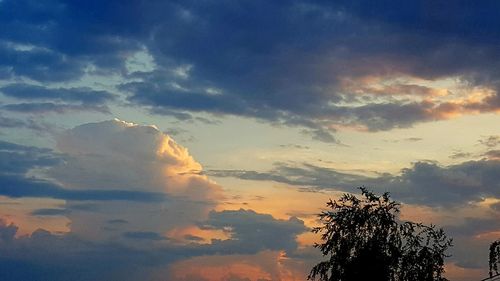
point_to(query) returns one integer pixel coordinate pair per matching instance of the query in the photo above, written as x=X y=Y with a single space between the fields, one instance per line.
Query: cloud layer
x=126 y=189
x=424 y=183
x=316 y=65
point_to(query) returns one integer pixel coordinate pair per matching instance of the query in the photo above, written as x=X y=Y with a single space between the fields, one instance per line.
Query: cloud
x=306 y=175
x=252 y=232
x=266 y=265
x=309 y=64
x=48 y=107
x=117 y=221
x=493 y=154
x=36 y=125
x=49 y=212
x=19 y=186
x=490 y=141
x=147 y=235
x=59 y=100
x=115 y=159
x=472 y=239
x=457 y=154
x=294 y=91
x=32 y=92
x=105 y=165
x=124 y=188
x=128 y=156
x=17 y=160
x=424 y=183
x=37 y=63
x=42 y=256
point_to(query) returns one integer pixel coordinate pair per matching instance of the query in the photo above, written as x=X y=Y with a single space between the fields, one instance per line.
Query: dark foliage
x=364 y=240
x=494 y=259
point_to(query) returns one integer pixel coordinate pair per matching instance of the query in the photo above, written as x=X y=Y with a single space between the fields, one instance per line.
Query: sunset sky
x=197 y=140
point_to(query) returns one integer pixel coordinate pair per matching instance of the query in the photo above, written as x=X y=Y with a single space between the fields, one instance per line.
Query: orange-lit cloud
x=125 y=156
x=21 y=213
x=389 y=86
x=457 y=273
x=266 y=265
x=194 y=234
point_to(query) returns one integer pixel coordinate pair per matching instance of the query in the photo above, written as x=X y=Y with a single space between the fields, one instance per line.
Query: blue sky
x=196 y=140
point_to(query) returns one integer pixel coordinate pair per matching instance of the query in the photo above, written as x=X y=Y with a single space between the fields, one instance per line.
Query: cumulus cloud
x=256 y=239
x=130 y=159
x=125 y=189
x=107 y=164
x=43 y=255
x=466 y=193
x=121 y=155
x=18 y=161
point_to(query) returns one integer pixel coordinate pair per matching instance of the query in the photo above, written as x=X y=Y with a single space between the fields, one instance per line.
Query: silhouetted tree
x=364 y=240
x=494 y=257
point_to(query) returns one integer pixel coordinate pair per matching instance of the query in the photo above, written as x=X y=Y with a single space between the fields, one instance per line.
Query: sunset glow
x=199 y=140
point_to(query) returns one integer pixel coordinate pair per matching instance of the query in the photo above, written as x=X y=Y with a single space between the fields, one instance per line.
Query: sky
x=198 y=140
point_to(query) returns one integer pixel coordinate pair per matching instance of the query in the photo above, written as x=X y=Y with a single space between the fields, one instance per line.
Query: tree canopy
x=494 y=259
x=364 y=239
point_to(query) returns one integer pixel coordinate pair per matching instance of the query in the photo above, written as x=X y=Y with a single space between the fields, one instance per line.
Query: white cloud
x=125 y=156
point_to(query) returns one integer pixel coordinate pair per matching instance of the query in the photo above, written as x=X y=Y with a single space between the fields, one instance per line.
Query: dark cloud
x=39 y=64
x=490 y=141
x=470 y=250
x=493 y=154
x=58 y=100
x=46 y=256
x=410 y=139
x=48 y=107
x=49 y=212
x=32 y=92
x=30 y=123
x=16 y=160
x=117 y=221
x=193 y=238
x=252 y=232
x=295 y=146
x=321 y=135
x=143 y=235
x=383 y=48
x=473 y=226
x=282 y=62
x=305 y=175
x=436 y=18
x=6 y=122
x=431 y=184
x=424 y=183
x=457 y=154
x=413 y=139
x=20 y=186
